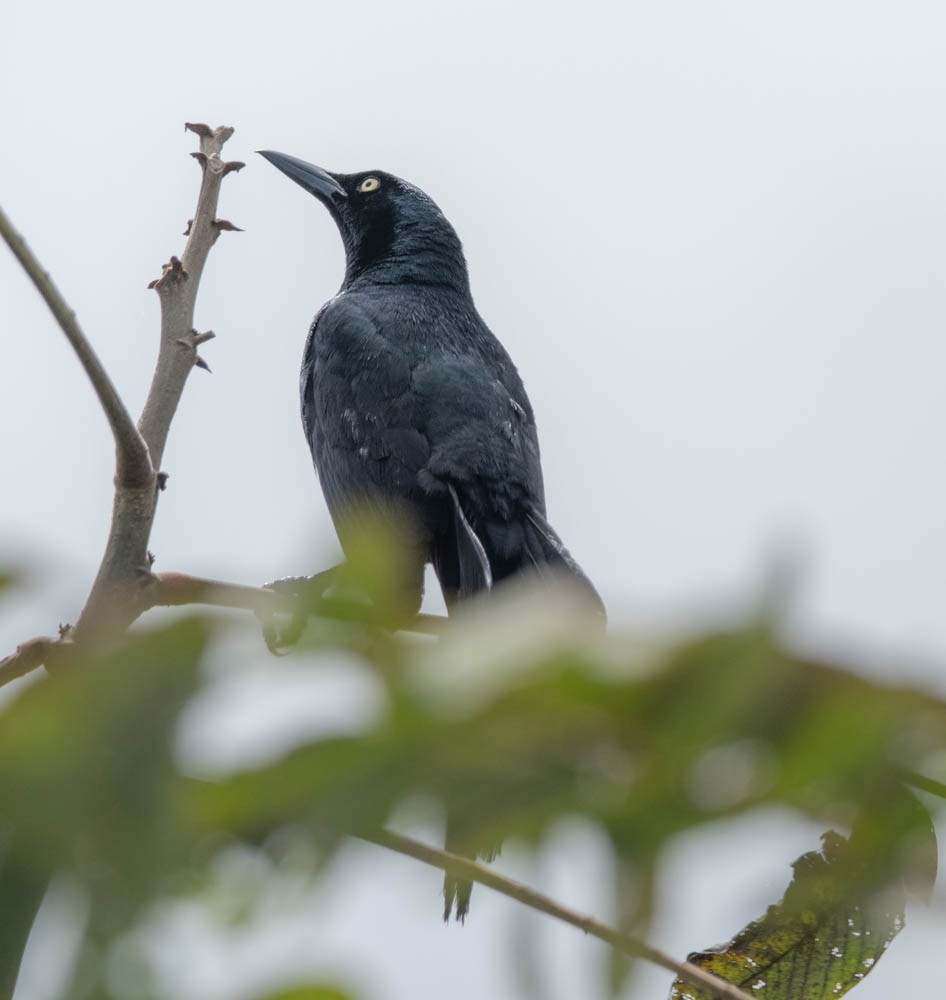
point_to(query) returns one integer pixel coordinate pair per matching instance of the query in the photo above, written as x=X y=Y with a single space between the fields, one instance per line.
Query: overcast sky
x=710 y=234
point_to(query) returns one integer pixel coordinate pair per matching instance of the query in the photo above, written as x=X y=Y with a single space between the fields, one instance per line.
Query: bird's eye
x=369 y=184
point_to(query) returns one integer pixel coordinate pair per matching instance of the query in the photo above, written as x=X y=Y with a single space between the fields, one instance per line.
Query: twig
x=453 y=864
x=177 y=291
x=28 y=656
x=132 y=459
x=924 y=784
x=176 y=589
x=168 y=590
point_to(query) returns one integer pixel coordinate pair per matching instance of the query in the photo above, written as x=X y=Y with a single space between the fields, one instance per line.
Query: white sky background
x=711 y=235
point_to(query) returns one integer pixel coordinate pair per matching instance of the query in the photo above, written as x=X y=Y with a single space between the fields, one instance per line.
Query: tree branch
x=453 y=864
x=175 y=589
x=133 y=462
x=113 y=601
x=177 y=291
x=171 y=590
x=28 y=656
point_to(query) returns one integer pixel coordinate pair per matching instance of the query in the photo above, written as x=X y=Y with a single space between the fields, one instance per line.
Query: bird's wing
x=484 y=447
x=358 y=414
x=443 y=435
x=482 y=439
x=484 y=452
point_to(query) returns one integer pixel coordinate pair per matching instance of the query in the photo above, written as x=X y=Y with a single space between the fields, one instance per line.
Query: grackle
x=413 y=409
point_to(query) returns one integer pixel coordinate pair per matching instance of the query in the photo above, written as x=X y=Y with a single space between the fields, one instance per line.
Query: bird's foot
x=300 y=594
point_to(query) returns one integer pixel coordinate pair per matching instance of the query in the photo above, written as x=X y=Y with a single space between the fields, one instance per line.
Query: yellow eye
x=369 y=184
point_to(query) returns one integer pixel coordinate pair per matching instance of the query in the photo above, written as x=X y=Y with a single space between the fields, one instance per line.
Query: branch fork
x=113 y=599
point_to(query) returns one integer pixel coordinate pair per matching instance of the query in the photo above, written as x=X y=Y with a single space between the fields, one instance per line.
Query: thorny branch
x=113 y=599
x=177 y=291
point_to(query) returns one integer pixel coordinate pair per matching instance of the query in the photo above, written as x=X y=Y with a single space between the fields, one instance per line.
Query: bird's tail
x=468 y=562
x=545 y=550
x=457 y=891
x=478 y=555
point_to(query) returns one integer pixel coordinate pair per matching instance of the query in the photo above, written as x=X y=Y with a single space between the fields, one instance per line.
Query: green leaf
x=380 y=578
x=589 y=727
x=819 y=941
x=635 y=890
x=21 y=890
x=86 y=775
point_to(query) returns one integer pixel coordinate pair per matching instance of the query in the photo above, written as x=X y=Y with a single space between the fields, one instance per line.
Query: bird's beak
x=314 y=179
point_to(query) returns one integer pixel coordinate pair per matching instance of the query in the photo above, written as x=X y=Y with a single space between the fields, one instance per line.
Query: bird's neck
x=414 y=255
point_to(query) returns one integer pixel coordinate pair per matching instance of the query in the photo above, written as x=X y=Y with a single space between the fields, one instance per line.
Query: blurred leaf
x=382 y=567
x=517 y=717
x=333 y=786
x=894 y=842
x=836 y=919
x=309 y=993
x=86 y=776
x=635 y=890
x=21 y=891
x=726 y=723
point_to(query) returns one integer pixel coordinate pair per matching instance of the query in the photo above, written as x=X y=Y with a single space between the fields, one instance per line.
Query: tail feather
x=468 y=561
x=545 y=548
x=457 y=891
x=475 y=571
x=456 y=897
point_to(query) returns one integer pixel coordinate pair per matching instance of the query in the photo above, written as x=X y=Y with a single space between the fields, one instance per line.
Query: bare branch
x=177 y=290
x=176 y=589
x=466 y=869
x=169 y=590
x=114 y=599
x=173 y=590
x=133 y=462
x=27 y=657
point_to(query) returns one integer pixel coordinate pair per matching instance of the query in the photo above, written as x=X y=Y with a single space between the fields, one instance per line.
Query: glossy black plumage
x=412 y=407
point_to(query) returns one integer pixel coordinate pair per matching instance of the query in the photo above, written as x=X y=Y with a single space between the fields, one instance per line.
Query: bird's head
x=392 y=230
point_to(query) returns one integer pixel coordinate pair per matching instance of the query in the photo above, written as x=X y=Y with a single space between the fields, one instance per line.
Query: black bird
x=413 y=408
